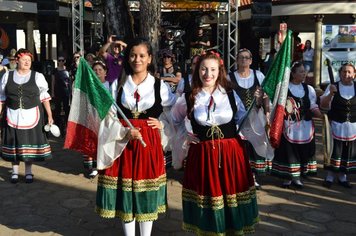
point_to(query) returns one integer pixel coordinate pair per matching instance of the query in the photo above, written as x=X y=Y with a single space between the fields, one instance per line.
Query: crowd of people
x=196 y=116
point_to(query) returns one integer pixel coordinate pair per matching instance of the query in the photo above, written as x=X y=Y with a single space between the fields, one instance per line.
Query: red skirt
x=134 y=187
x=203 y=174
x=218 y=189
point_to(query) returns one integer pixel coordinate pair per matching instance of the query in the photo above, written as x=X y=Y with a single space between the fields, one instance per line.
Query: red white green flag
x=276 y=86
x=91 y=103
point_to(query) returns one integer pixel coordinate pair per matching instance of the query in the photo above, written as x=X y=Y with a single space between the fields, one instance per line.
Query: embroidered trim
x=217 y=203
x=127 y=217
x=126 y=184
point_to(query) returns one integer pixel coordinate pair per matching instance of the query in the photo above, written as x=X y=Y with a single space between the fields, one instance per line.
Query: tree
x=150 y=16
x=119 y=20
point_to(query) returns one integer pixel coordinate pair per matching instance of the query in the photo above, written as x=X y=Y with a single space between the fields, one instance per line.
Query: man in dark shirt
x=200 y=42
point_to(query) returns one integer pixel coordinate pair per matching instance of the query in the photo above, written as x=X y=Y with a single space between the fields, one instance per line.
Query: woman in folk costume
x=22 y=94
x=218 y=187
x=246 y=82
x=295 y=155
x=340 y=100
x=133 y=186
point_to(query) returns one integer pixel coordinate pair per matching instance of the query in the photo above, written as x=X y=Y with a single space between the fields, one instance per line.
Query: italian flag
x=91 y=102
x=276 y=86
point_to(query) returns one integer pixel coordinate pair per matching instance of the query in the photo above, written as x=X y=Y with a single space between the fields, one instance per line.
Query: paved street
x=61 y=202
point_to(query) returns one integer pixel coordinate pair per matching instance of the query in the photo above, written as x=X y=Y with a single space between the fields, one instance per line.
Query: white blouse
x=308 y=55
x=247 y=82
x=24 y=118
x=345 y=131
x=300 y=131
x=146 y=91
x=222 y=113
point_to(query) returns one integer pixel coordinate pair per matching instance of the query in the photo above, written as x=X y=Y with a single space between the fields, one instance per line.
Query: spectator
x=308 y=57
x=61 y=91
x=3 y=69
x=268 y=60
x=169 y=72
x=114 y=58
x=12 y=60
x=200 y=42
x=90 y=58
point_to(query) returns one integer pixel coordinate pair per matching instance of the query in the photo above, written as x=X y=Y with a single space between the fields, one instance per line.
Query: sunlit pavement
x=61 y=201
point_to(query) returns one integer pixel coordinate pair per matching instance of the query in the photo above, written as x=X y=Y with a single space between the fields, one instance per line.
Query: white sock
x=129 y=228
x=15 y=170
x=145 y=228
x=330 y=177
x=342 y=177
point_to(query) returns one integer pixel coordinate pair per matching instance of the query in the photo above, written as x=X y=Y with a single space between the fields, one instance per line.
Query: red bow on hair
x=218 y=55
x=25 y=54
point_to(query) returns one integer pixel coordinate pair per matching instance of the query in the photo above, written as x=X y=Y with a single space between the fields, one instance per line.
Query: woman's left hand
x=154 y=123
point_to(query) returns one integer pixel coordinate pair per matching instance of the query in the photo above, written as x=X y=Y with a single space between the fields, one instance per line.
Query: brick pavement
x=61 y=202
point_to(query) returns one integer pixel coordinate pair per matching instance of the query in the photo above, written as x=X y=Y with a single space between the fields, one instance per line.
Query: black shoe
x=285 y=185
x=29 y=180
x=258 y=187
x=14 y=180
x=297 y=185
x=345 y=184
x=327 y=183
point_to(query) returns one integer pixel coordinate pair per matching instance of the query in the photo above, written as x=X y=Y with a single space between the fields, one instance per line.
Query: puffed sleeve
x=179 y=110
x=180 y=145
x=113 y=89
x=43 y=87
x=325 y=94
x=312 y=98
x=241 y=111
x=260 y=76
x=168 y=98
x=3 y=83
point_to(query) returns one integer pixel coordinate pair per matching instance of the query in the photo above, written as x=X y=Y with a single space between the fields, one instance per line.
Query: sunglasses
x=77 y=57
x=60 y=60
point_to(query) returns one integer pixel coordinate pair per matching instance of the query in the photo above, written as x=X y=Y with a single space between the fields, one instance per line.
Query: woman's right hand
x=134 y=134
x=332 y=89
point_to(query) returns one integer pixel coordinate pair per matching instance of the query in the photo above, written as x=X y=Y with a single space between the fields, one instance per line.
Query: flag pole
x=128 y=122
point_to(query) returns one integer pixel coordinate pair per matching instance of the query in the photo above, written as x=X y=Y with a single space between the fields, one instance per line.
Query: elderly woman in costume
x=132 y=186
x=218 y=187
x=340 y=100
x=22 y=94
x=247 y=82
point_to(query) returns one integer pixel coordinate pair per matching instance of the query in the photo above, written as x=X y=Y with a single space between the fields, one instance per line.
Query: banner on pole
x=336 y=59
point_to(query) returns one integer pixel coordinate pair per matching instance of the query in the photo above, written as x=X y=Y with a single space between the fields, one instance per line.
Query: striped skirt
x=26 y=145
x=343 y=158
x=219 y=196
x=292 y=160
x=134 y=187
